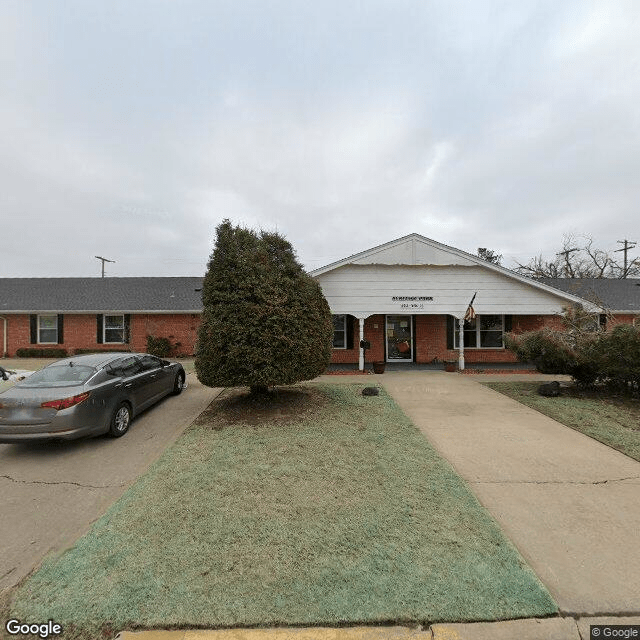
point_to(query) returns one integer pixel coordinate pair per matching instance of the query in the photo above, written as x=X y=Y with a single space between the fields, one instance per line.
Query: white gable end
x=362 y=291
x=412 y=250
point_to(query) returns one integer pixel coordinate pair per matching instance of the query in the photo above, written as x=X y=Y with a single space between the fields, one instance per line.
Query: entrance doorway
x=399 y=333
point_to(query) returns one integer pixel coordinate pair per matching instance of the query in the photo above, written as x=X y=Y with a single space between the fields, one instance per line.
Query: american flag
x=470 y=314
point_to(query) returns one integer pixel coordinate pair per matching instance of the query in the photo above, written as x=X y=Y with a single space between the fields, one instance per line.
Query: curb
x=527 y=629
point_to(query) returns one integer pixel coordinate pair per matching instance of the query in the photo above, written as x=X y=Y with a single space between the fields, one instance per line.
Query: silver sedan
x=86 y=395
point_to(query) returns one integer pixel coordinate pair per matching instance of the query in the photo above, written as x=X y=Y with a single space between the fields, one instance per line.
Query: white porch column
x=361 y=361
x=461 y=344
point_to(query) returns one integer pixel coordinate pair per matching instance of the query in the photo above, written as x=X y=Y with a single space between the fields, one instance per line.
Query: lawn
x=322 y=507
x=610 y=419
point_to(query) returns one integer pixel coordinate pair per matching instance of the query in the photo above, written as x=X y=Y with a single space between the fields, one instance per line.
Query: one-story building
x=407 y=298
x=98 y=313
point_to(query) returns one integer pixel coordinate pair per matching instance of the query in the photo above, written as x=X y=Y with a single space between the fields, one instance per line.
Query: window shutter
x=451 y=327
x=99 y=321
x=33 y=327
x=127 y=325
x=349 y=320
x=60 y=329
x=508 y=324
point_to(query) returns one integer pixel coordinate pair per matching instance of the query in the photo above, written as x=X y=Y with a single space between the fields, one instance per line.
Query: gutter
x=4 y=343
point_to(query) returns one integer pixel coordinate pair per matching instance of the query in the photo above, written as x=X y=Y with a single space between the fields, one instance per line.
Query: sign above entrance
x=411 y=302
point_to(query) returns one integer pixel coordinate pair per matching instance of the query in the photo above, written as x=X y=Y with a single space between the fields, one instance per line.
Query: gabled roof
x=620 y=295
x=415 y=249
x=129 y=295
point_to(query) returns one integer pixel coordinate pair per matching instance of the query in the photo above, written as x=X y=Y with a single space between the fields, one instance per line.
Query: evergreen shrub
x=265 y=321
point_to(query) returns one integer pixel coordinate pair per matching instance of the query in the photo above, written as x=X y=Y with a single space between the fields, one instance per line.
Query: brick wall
x=431 y=340
x=80 y=332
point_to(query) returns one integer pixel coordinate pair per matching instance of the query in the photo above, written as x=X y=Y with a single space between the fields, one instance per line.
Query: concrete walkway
x=570 y=504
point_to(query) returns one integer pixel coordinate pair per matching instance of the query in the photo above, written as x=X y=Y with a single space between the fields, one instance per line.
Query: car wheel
x=120 y=420
x=178 y=385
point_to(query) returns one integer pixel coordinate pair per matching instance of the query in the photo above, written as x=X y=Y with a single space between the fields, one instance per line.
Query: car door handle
x=129 y=384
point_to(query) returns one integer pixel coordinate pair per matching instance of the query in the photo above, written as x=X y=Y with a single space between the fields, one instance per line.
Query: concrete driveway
x=50 y=493
x=570 y=504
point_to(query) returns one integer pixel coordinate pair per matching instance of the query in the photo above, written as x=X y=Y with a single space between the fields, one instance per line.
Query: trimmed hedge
x=34 y=352
x=83 y=352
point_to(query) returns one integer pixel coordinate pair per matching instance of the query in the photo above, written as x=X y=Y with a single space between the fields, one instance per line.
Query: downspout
x=4 y=336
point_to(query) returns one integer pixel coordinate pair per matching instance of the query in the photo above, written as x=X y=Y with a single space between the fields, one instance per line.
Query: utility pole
x=567 y=267
x=628 y=244
x=103 y=261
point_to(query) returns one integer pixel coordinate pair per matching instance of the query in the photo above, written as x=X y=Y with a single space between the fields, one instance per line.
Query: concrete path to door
x=570 y=504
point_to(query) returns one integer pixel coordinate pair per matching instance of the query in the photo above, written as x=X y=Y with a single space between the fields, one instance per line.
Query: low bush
x=589 y=357
x=545 y=348
x=35 y=352
x=617 y=355
x=160 y=347
x=83 y=352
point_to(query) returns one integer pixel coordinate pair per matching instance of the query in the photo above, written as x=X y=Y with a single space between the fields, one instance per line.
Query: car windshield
x=58 y=376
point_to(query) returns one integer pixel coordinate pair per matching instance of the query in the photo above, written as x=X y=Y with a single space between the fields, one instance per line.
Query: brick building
x=99 y=313
x=407 y=298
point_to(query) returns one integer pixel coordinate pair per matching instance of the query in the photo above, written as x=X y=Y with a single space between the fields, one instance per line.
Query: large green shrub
x=265 y=322
x=588 y=355
x=617 y=354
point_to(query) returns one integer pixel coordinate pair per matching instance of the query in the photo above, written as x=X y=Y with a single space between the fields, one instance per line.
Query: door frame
x=411 y=327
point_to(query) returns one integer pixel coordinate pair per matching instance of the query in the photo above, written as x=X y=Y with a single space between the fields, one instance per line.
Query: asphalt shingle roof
x=182 y=294
x=614 y=294
x=100 y=294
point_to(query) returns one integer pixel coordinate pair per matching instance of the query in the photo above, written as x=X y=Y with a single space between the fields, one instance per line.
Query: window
x=48 y=329
x=114 y=329
x=125 y=367
x=484 y=332
x=340 y=332
x=148 y=363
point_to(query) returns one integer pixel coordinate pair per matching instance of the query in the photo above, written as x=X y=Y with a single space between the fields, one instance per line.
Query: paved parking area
x=50 y=493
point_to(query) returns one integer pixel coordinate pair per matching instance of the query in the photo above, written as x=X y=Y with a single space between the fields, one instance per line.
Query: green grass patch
x=610 y=419
x=318 y=507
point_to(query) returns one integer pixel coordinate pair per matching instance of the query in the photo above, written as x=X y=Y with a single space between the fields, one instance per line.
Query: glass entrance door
x=399 y=332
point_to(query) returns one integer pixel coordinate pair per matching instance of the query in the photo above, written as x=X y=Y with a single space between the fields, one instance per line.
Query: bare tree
x=489 y=255
x=579 y=258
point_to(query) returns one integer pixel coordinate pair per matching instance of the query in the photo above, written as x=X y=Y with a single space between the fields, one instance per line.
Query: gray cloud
x=131 y=129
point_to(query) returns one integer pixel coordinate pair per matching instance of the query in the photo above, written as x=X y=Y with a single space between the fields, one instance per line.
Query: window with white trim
x=113 y=329
x=340 y=331
x=48 y=329
x=483 y=332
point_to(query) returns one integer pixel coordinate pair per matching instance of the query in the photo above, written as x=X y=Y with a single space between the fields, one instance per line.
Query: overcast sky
x=130 y=129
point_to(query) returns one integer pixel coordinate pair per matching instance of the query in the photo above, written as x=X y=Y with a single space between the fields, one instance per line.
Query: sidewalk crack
x=593 y=482
x=61 y=482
